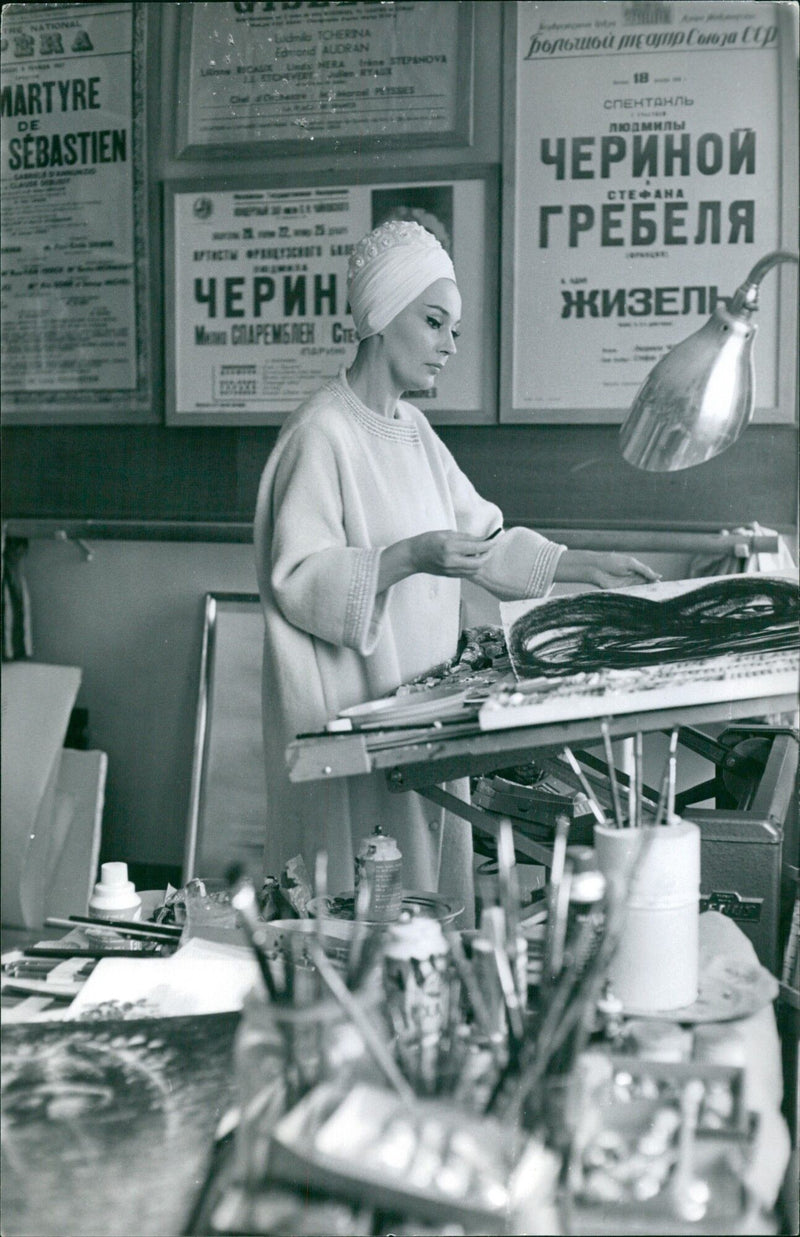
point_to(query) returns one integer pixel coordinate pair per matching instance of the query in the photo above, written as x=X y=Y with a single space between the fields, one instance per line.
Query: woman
x=364 y=528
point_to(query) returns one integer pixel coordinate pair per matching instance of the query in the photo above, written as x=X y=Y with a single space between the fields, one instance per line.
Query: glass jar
x=281 y=1052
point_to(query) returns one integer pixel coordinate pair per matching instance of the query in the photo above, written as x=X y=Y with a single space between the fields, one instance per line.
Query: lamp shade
x=700 y=396
x=697 y=400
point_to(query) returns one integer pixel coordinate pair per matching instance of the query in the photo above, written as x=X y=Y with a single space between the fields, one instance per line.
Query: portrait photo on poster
x=431 y=206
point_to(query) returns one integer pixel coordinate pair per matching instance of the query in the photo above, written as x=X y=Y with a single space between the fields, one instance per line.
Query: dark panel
x=546 y=474
x=253 y=448
x=119 y=472
x=557 y=474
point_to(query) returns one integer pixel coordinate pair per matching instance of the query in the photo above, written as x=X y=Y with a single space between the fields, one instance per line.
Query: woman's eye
x=433 y=324
x=456 y=334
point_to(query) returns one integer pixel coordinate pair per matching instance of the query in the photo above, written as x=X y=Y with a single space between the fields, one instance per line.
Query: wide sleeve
x=320 y=583
x=522 y=562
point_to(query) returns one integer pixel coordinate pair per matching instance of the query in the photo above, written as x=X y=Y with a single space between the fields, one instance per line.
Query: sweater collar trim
x=396 y=430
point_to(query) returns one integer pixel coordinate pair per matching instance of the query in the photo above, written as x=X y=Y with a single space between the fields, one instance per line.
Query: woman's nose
x=449 y=344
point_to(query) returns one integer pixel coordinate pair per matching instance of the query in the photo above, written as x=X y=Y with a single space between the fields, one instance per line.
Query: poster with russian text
x=74 y=263
x=647 y=183
x=398 y=72
x=258 y=293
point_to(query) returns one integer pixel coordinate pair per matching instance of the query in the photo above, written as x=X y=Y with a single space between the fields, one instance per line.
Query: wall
x=540 y=472
x=132 y=619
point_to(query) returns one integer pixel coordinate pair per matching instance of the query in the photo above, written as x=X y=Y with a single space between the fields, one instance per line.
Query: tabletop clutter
x=553 y=1070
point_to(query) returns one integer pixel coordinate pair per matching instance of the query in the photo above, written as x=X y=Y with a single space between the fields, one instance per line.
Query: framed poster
x=257 y=317
x=281 y=77
x=650 y=164
x=76 y=326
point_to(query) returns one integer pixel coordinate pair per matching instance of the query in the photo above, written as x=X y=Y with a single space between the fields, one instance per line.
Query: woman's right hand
x=440 y=553
x=448 y=553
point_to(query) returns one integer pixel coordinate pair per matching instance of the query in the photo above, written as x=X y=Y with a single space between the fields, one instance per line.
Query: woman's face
x=418 y=342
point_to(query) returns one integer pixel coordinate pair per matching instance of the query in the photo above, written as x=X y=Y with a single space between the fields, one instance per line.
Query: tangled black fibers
x=606 y=630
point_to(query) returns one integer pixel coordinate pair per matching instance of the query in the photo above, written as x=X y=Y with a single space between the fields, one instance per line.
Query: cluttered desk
x=279 y=1057
x=173 y=1088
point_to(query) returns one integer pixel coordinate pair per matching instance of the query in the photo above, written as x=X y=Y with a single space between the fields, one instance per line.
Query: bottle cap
x=114 y=891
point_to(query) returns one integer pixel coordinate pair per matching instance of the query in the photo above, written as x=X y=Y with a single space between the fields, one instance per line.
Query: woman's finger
x=643 y=570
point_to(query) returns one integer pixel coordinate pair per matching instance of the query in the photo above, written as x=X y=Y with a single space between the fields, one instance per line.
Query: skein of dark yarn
x=607 y=630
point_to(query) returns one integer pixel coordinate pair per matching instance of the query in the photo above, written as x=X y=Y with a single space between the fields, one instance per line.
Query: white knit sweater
x=341 y=484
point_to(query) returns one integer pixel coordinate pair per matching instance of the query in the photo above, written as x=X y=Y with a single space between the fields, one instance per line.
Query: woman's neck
x=371 y=382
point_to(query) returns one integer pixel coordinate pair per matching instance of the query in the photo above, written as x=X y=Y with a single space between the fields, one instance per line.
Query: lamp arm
x=745 y=297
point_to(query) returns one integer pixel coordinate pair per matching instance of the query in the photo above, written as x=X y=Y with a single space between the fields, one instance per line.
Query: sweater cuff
x=540 y=581
x=364 y=610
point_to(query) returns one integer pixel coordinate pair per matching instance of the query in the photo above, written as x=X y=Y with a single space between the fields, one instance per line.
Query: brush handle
x=341 y=993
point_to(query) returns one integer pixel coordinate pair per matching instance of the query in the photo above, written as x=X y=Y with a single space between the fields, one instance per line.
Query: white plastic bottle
x=115 y=896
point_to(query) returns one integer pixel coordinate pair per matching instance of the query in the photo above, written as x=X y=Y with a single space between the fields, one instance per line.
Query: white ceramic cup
x=655 y=967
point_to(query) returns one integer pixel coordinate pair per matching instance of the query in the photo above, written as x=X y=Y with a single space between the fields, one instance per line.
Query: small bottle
x=378 y=866
x=114 y=896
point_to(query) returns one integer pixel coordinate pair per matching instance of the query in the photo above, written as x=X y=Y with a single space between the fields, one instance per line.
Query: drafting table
x=423 y=757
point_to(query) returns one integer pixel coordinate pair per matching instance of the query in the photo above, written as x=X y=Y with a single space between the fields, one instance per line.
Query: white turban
x=388 y=269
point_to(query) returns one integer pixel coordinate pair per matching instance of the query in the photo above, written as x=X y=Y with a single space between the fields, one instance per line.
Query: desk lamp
x=699 y=397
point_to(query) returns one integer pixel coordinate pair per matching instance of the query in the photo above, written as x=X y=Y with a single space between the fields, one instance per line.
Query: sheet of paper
x=202 y=977
x=566 y=671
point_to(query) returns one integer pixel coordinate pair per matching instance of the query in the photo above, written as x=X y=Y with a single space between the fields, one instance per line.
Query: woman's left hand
x=605 y=569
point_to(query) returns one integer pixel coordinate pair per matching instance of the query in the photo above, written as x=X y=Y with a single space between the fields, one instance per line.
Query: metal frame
x=194 y=842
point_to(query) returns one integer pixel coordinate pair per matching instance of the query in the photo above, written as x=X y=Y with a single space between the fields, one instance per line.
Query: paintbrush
x=662 y=797
x=597 y=811
x=638 y=777
x=612 y=773
x=666 y=796
x=342 y=994
x=243 y=899
x=320 y=889
x=559 y=936
x=363 y=900
x=508 y=882
x=139 y=924
x=135 y=949
x=556 y=876
x=468 y=979
x=138 y=931
x=493 y=927
x=672 y=766
x=373 y=943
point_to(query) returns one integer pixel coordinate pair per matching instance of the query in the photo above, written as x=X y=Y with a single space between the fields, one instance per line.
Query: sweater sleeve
x=522 y=563
x=320 y=583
